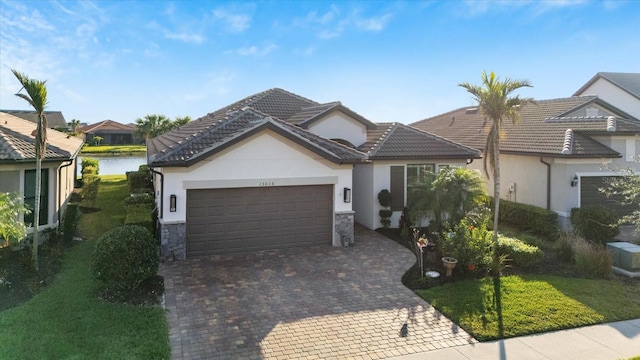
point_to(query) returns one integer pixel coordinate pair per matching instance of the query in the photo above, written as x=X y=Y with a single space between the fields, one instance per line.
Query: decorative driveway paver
x=319 y=302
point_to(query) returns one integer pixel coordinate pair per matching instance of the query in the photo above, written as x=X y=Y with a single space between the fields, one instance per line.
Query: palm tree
x=180 y=120
x=152 y=125
x=36 y=96
x=496 y=103
x=74 y=125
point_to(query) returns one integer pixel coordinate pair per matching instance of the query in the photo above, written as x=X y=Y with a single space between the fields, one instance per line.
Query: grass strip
x=68 y=321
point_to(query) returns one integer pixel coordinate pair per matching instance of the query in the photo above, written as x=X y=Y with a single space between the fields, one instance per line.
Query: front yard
x=67 y=320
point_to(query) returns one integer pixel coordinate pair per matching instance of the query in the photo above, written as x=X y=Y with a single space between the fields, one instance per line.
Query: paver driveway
x=319 y=302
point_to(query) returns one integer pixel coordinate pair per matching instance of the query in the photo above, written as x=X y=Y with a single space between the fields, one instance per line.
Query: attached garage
x=231 y=220
x=591 y=195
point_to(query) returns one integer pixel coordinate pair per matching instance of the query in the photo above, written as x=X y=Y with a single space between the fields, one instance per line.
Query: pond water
x=116 y=165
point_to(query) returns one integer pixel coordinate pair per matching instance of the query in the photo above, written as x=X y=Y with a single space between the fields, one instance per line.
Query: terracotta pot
x=449 y=263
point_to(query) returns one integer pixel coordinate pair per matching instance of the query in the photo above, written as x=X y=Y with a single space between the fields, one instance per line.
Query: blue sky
x=388 y=61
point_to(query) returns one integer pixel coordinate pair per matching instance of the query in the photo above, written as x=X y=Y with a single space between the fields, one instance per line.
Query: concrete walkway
x=619 y=340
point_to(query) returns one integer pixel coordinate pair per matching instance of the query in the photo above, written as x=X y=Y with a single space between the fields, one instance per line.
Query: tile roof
x=398 y=141
x=629 y=82
x=17 y=143
x=541 y=130
x=107 y=126
x=55 y=119
x=203 y=137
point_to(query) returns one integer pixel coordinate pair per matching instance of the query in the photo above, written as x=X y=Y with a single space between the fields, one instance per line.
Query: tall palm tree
x=496 y=103
x=152 y=125
x=74 y=125
x=36 y=96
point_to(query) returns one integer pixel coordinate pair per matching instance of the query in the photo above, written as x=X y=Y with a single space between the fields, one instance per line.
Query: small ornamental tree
x=384 y=198
x=11 y=226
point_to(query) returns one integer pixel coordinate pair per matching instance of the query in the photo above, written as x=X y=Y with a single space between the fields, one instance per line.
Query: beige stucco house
x=17 y=167
x=278 y=170
x=560 y=153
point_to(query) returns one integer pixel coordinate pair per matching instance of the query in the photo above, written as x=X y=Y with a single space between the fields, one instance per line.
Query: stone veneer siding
x=344 y=228
x=173 y=241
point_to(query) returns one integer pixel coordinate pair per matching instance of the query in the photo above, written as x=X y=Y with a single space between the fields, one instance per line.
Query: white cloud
x=184 y=35
x=305 y=52
x=236 y=22
x=333 y=23
x=254 y=50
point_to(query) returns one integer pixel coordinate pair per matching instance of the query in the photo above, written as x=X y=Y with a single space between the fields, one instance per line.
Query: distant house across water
x=111 y=132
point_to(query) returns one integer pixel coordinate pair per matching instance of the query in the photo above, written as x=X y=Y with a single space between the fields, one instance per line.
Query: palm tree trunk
x=36 y=212
x=496 y=188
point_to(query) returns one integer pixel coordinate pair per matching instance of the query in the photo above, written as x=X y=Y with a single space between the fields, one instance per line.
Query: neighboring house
x=111 y=132
x=278 y=170
x=558 y=155
x=18 y=164
x=55 y=120
x=621 y=90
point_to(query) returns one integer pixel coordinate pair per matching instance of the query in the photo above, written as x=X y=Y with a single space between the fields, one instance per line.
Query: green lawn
x=113 y=149
x=67 y=321
x=535 y=303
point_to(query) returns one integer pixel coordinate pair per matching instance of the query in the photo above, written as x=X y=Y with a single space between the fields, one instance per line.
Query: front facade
x=273 y=170
x=560 y=153
x=621 y=90
x=18 y=167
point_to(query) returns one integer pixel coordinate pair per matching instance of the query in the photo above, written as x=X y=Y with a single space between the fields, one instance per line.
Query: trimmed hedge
x=86 y=162
x=90 y=185
x=144 y=198
x=595 y=223
x=520 y=252
x=70 y=222
x=125 y=257
x=140 y=214
x=529 y=218
x=139 y=180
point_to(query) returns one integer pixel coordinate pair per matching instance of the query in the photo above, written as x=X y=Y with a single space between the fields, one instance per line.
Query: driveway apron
x=319 y=302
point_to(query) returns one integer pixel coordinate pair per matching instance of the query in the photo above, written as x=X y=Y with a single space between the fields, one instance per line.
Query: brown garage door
x=245 y=219
x=590 y=195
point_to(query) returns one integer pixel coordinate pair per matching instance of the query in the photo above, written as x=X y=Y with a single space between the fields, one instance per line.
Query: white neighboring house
x=277 y=170
x=18 y=164
x=621 y=90
x=560 y=153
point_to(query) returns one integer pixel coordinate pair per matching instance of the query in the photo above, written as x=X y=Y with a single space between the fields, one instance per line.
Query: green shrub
x=564 y=246
x=90 y=186
x=384 y=198
x=144 y=198
x=89 y=170
x=90 y=162
x=385 y=217
x=595 y=223
x=469 y=244
x=140 y=214
x=521 y=253
x=139 y=180
x=592 y=260
x=70 y=222
x=125 y=257
x=529 y=218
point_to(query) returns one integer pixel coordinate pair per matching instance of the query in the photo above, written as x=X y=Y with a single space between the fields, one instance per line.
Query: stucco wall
x=337 y=125
x=615 y=96
x=266 y=159
x=14 y=183
x=367 y=206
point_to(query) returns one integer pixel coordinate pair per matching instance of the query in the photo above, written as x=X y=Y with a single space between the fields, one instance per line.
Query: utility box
x=625 y=255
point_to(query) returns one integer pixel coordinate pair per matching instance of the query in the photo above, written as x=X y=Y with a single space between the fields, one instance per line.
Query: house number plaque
x=266 y=183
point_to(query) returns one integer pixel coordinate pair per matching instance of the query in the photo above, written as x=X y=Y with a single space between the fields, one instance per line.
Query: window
x=418 y=174
x=30 y=195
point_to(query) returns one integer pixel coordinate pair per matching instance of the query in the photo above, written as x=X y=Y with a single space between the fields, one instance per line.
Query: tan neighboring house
x=55 y=119
x=277 y=170
x=111 y=132
x=17 y=167
x=559 y=154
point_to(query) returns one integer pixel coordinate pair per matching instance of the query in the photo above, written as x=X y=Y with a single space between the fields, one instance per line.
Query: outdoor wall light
x=172 y=203
x=574 y=182
x=347 y=195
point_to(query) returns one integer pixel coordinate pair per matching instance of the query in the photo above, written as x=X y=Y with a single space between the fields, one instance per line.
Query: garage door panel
x=591 y=195
x=247 y=219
